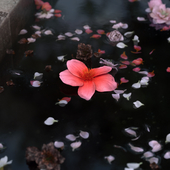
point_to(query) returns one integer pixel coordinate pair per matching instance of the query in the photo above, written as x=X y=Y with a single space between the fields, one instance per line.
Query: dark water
x=23 y=108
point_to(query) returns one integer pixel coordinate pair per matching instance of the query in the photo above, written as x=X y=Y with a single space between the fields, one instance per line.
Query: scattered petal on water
x=122 y=66
x=168 y=69
x=100 y=31
x=135 y=138
x=23 y=41
x=168 y=40
x=86 y=27
x=125 y=62
x=71 y=137
x=66 y=98
x=50 y=121
x=143 y=72
x=31 y=40
x=134 y=165
x=121 y=45
x=61 y=103
x=138 y=104
x=141 y=19
x=1 y=146
x=77 y=31
x=61 y=37
x=75 y=39
x=112 y=21
x=151 y=51
x=35 y=83
x=153 y=159
x=136 y=85
x=58 y=144
x=136 y=38
x=130 y=132
x=116 y=96
x=148 y=154
x=138 y=61
x=68 y=34
x=148 y=10
x=123 y=80
x=167 y=138
x=84 y=134
x=136 y=149
x=128 y=34
x=48 y=32
x=136 y=69
x=144 y=81
x=88 y=31
x=119 y=91
x=151 y=74
x=75 y=145
x=127 y=95
x=38 y=75
x=155 y=146
x=4 y=161
x=97 y=36
x=36 y=27
x=23 y=31
x=167 y=155
x=61 y=58
x=124 y=56
x=109 y=158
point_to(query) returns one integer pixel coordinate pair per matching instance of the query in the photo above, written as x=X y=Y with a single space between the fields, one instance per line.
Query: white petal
x=38 y=33
x=86 y=27
x=128 y=169
x=9 y=162
x=167 y=155
x=48 y=32
x=168 y=39
x=124 y=26
x=153 y=159
x=136 y=38
x=50 y=121
x=71 y=137
x=62 y=103
x=68 y=34
x=58 y=144
x=155 y=146
x=136 y=149
x=112 y=21
x=35 y=83
x=116 y=96
x=75 y=39
x=148 y=154
x=119 y=91
x=143 y=72
x=3 y=161
x=144 y=81
x=129 y=34
x=134 y=165
x=136 y=85
x=42 y=15
x=138 y=104
x=36 y=27
x=127 y=95
x=131 y=132
x=61 y=58
x=61 y=37
x=77 y=31
x=51 y=10
x=23 y=31
x=1 y=146
x=148 y=10
x=31 y=40
x=109 y=158
x=49 y=15
x=167 y=138
x=84 y=134
x=38 y=75
x=141 y=19
x=75 y=145
x=121 y=45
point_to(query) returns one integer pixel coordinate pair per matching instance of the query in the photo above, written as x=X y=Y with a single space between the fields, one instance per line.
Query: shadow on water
x=24 y=108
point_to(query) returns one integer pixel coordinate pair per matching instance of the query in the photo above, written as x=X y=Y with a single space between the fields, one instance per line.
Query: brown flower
x=84 y=52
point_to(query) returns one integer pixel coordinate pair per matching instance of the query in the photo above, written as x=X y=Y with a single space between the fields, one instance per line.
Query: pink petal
x=168 y=69
x=124 y=56
x=138 y=61
x=136 y=69
x=123 y=80
x=101 y=70
x=100 y=31
x=151 y=52
x=151 y=74
x=137 y=48
x=95 y=36
x=122 y=66
x=76 y=67
x=101 y=51
x=105 y=83
x=125 y=62
x=87 y=90
x=88 y=31
x=68 y=78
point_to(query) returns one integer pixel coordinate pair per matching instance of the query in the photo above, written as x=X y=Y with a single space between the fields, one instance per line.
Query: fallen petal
x=48 y=32
x=75 y=145
x=134 y=165
x=127 y=95
x=136 y=149
x=88 y=31
x=86 y=27
x=31 y=40
x=68 y=34
x=124 y=56
x=50 y=121
x=100 y=31
x=147 y=154
x=128 y=34
x=167 y=138
x=23 y=31
x=77 y=31
x=141 y=19
x=116 y=96
x=123 y=80
x=109 y=158
x=130 y=132
x=168 y=69
x=138 y=104
x=58 y=144
x=61 y=103
x=167 y=155
x=136 y=85
x=84 y=134
x=38 y=75
x=121 y=45
x=35 y=83
x=71 y=137
x=119 y=91
x=136 y=69
x=153 y=159
x=75 y=39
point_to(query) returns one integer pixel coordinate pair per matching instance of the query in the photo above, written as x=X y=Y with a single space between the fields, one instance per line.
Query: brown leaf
x=1 y=89
x=23 y=41
x=10 y=51
x=10 y=83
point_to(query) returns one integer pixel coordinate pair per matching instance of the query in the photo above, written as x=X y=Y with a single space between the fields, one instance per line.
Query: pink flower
x=154 y=3
x=46 y=6
x=160 y=14
x=88 y=80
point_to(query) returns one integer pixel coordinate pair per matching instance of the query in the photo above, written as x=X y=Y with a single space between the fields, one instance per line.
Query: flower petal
x=76 y=67
x=105 y=83
x=87 y=90
x=101 y=70
x=68 y=78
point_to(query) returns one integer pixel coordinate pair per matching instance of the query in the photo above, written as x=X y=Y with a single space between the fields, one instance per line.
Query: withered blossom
x=10 y=83
x=154 y=166
x=48 y=68
x=23 y=41
x=10 y=51
x=48 y=158
x=84 y=52
x=28 y=53
x=115 y=36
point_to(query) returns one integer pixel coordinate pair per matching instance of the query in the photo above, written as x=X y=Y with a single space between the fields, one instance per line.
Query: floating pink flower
x=160 y=14
x=168 y=69
x=87 y=79
x=154 y=3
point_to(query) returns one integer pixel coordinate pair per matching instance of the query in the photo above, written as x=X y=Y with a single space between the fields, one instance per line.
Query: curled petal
x=87 y=90
x=76 y=67
x=101 y=70
x=68 y=78
x=105 y=83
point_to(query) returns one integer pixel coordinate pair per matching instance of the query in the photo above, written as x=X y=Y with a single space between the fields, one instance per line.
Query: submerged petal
x=105 y=83
x=76 y=67
x=101 y=70
x=87 y=90
x=68 y=78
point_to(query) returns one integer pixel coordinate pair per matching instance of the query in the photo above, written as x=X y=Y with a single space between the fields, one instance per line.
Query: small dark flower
x=154 y=166
x=84 y=52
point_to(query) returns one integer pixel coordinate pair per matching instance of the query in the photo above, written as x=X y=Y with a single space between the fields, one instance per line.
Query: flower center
x=87 y=75
x=164 y=12
x=49 y=157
